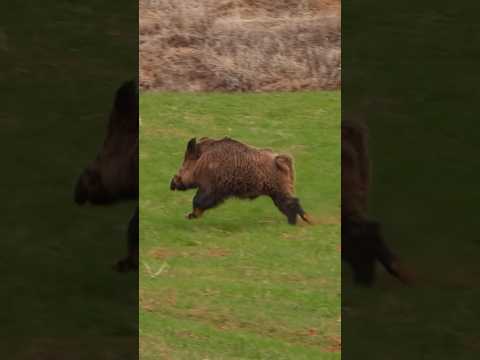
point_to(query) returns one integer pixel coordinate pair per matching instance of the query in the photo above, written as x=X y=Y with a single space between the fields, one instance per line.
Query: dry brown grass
x=239 y=45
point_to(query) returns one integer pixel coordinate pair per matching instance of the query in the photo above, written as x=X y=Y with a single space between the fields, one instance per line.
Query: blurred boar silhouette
x=220 y=169
x=113 y=175
x=362 y=242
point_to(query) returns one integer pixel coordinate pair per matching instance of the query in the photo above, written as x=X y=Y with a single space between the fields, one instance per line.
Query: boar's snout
x=90 y=188
x=172 y=184
x=177 y=184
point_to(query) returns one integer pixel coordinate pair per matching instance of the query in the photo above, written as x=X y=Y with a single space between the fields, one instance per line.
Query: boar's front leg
x=204 y=200
x=362 y=246
x=130 y=263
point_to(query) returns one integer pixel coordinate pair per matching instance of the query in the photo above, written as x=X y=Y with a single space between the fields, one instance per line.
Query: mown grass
x=421 y=110
x=240 y=283
x=61 y=64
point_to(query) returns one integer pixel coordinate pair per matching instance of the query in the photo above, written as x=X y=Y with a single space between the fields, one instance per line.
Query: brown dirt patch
x=335 y=344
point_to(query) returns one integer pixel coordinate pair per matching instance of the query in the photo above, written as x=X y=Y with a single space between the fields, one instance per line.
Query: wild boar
x=113 y=174
x=362 y=241
x=220 y=169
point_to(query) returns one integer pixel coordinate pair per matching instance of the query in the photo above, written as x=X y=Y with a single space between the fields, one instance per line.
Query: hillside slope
x=239 y=45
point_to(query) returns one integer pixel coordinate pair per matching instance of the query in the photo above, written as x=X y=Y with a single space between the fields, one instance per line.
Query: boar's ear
x=192 y=149
x=191 y=145
x=126 y=98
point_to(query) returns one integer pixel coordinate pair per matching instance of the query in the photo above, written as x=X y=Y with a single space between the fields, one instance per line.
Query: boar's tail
x=285 y=164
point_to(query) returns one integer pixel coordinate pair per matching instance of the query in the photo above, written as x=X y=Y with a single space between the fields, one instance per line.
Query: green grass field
x=427 y=207
x=240 y=283
x=61 y=64
x=414 y=79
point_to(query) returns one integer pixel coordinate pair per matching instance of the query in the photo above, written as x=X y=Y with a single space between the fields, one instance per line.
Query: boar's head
x=113 y=174
x=184 y=179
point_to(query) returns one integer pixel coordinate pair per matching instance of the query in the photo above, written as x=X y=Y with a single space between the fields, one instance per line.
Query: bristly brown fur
x=355 y=169
x=225 y=168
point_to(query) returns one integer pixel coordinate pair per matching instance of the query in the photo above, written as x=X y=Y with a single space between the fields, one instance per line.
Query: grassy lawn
x=433 y=226
x=240 y=283
x=425 y=196
x=61 y=63
x=414 y=79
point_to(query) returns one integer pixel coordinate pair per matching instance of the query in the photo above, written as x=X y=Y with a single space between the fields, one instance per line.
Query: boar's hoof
x=402 y=273
x=172 y=185
x=126 y=265
x=307 y=218
x=195 y=214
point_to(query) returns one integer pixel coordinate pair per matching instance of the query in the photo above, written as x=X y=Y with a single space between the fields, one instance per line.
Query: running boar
x=220 y=169
x=113 y=175
x=362 y=241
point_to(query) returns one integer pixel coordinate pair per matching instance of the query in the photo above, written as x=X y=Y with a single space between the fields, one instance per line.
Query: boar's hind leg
x=391 y=262
x=357 y=250
x=131 y=261
x=384 y=255
x=290 y=207
x=203 y=201
x=362 y=246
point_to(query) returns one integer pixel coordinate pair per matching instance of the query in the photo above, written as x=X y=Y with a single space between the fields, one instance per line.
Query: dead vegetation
x=239 y=45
